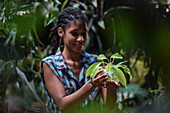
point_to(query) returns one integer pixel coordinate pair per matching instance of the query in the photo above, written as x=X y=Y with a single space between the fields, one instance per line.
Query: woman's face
x=75 y=36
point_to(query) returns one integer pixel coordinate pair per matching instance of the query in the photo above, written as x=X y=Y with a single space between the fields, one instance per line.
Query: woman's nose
x=80 y=38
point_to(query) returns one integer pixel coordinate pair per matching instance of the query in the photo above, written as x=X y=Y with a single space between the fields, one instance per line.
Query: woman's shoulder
x=55 y=61
x=52 y=60
x=49 y=58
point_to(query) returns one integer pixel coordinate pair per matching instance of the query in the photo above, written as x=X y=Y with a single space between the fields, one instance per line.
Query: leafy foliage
x=139 y=30
x=21 y=51
x=112 y=69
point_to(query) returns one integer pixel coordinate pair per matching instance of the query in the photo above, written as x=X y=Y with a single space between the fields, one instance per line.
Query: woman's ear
x=60 y=32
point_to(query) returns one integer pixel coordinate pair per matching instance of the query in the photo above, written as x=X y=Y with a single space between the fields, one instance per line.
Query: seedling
x=114 y=70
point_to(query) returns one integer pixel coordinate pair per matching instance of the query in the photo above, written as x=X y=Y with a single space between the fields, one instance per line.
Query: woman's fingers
x=102 y=77
x=113 y=84
x=99 y=72
x=100 y=80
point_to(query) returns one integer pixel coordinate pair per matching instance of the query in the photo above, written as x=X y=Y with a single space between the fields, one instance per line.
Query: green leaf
x=95 y=72
x=50 y=21
x=4 y=64
x=3 y=27
x=37 y=37
x=90 y=23
x=102 y=57
x=46 y=18
x=124 y=7
x=13 y=44
x=33 y=92
x=127 y=70
x=91 y=68
x=108 y=67
x=117 y=56
x=111 y=74
x=64 y=4
x=101 y=24
x=119 y=64
x=57 y=2
x=76 y=5
x=7 y=40
x=120 y=75
x=54 y=10
x=39 y=4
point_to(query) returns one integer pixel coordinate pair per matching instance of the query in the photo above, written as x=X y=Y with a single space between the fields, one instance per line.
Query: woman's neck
x=71 y=56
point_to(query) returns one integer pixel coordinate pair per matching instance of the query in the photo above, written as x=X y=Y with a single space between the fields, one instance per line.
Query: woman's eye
x=84 y=34
x=75 y=34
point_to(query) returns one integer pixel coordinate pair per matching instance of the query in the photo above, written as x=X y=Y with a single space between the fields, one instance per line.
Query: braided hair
x=67 y=15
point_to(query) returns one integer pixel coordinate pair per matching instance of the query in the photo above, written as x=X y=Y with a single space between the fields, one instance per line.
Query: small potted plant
x=114 y=70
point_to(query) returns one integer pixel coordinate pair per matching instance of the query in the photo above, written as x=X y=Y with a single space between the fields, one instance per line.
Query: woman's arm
x=110 y=94
x=67 y=103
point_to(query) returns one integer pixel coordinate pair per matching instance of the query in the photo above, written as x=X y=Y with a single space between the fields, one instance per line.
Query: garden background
x=137 y=29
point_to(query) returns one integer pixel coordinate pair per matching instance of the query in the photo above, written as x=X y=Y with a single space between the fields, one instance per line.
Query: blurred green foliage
x=138 y=29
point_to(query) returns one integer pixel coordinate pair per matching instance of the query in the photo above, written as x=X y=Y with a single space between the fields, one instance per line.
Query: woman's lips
x=79 y=46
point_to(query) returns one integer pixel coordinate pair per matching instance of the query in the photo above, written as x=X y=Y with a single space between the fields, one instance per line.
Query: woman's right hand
x=99 y=81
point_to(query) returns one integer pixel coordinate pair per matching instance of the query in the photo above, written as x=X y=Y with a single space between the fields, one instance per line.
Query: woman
x=63 y=74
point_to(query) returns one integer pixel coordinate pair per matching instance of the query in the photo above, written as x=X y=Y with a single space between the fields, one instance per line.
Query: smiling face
x=75 y=36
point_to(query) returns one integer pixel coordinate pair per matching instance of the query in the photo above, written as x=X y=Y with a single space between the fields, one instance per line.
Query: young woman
x=63 y=74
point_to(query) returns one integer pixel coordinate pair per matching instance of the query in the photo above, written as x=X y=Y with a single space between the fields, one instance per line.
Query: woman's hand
x=112 y=84
x=109 y=92
x=99 y=80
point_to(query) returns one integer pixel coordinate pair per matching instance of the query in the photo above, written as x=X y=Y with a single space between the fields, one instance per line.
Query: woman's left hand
x=112 y=84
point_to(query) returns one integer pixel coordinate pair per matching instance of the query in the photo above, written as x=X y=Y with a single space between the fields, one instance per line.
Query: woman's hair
x=67 y=15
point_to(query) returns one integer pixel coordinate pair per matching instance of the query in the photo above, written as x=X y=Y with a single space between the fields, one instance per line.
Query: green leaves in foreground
x=112 y=69
x=91 y=69
x=120 y=75
x=102 y=57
